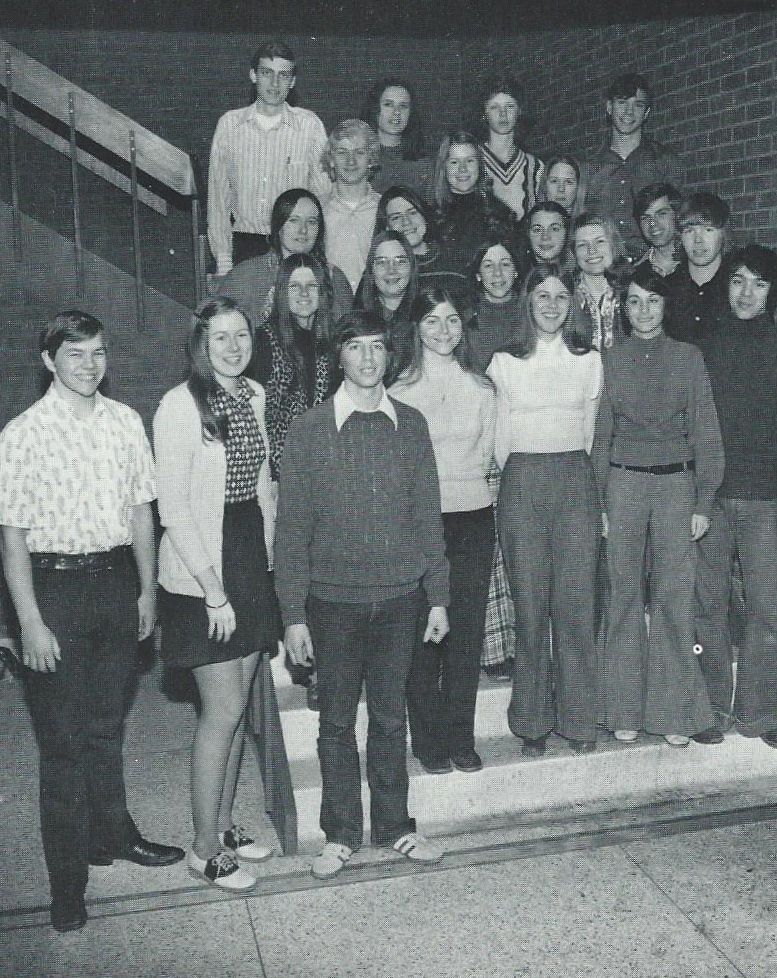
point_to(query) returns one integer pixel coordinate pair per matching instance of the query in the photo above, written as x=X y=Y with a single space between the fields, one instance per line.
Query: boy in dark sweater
x=741 y=358
x=359 y=535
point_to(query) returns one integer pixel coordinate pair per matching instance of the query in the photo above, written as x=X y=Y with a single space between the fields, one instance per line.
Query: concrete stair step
x=615 y=777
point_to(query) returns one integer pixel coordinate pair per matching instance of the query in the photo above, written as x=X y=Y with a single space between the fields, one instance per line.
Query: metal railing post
x=196 y=251
x=71 y=112
x=139 y=286
x=13 y=167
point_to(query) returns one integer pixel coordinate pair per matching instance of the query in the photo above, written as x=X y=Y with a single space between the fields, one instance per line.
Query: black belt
x=98 y=561
x=658 y=469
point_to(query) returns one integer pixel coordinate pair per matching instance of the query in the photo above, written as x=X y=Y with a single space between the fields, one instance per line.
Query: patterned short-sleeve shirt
x=71 y=481
x=244 y=446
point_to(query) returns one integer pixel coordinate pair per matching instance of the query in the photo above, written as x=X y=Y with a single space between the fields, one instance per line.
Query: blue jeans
x=78 y=712
x=747 y=528
x=368 y=644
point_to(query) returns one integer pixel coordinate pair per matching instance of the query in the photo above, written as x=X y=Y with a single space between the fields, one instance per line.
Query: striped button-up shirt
x=250 y=166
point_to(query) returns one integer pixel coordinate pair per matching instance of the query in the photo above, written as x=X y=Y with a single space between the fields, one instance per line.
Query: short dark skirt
x=249 y=587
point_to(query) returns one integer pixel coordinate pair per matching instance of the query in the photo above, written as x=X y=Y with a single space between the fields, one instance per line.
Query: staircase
x=616 y=776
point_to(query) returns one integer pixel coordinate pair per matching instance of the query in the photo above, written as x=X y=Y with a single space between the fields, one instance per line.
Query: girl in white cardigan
x=217 y=604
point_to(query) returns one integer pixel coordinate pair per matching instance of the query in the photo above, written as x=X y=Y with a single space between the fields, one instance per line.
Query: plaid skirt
x=499 y=634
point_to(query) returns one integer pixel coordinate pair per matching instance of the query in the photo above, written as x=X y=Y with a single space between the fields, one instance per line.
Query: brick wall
x=713 y=78
x=715 y=98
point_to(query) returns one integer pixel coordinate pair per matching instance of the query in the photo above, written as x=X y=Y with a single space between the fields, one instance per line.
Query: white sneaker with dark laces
x=330 y=860
x=418 y=849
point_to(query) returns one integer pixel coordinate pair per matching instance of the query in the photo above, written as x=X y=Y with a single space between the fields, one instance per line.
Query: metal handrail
x=29 y=81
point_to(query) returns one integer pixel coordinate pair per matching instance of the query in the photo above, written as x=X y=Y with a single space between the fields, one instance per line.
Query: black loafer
x=468 y=761
x=770 y=738
x=709 y=736
x=68 y=914
x=533 y=746
x=582 y=746
x=435 y=765
x=142 y=852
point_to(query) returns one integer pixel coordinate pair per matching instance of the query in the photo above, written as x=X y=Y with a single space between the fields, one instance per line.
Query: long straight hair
x=282 y=210
x=428 y=299
x=442 y=189
x=201 y=379
x=526 y=340
x=282 y=319
x=412 y=144
x=367 y=295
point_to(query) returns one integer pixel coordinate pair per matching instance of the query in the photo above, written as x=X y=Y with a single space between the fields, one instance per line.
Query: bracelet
x=215 y=607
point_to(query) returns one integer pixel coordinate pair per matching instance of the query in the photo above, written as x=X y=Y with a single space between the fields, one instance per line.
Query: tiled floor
x=699 y=904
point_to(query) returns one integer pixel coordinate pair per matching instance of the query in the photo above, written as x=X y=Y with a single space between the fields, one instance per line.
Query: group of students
x=430 y=466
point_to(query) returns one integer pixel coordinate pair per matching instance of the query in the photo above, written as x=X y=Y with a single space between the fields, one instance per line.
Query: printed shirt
x=244 y=447
x=71 y=481
x=250 y=166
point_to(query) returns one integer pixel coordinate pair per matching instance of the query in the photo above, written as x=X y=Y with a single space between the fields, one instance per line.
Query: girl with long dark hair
x=548 y=387
x=217 y=604
x=459 y=405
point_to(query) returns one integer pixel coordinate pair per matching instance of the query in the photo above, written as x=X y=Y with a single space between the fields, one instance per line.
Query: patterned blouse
x=244 y=446
x=288 y=395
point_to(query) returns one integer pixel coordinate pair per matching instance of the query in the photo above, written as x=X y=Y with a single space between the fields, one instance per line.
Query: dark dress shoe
x=468 y=761
x=68 y=914
x=142 y=852
x=770 y=738
x=709 y=736
x=533 y=746
x=435 y=765
x=582 y=746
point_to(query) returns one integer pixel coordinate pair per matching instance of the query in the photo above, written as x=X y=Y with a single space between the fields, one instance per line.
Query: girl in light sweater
x=459 y=405
x=217 y=604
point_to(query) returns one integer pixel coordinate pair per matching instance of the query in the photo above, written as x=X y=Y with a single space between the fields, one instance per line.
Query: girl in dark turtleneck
x=467 y=211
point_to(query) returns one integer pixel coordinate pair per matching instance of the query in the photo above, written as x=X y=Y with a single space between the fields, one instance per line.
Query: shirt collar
x=344 y=407
x=288 y=118
x=54 y=405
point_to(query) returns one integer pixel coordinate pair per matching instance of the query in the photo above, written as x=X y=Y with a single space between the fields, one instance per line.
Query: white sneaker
x=220 y=870
x=239 y=842
x=626 y=736
x=418 y=849
x=677 y=740
x=330 y=860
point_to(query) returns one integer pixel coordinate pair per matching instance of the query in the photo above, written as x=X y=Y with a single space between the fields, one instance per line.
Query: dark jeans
x=747 y=528
x=443 y=683
x=246 y=245
x=78 y=713
x=370 y=645
x=549 y=525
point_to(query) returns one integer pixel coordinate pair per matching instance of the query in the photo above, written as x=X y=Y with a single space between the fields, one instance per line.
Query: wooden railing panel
x=86 y=160
x=99 y=122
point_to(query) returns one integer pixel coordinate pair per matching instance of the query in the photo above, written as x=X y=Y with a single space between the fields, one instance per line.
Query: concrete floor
x=701 y=903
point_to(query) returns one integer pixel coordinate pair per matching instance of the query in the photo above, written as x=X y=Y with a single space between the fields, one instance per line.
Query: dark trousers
x=246 y=245
x=549 y=525
x=747 y=528
x=78 y=712
x=443 y=683
x=651 y=680
x=371 y=645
